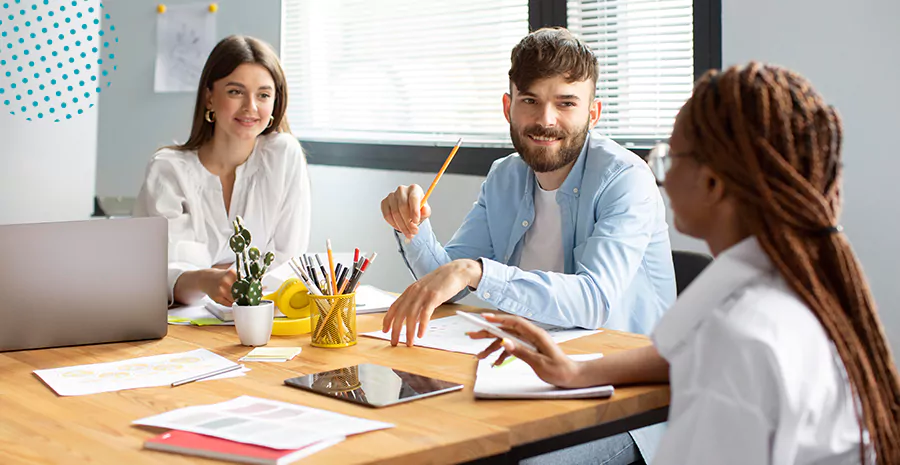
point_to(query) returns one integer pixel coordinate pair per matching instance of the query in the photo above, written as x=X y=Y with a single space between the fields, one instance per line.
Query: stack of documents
x=156 y=370
x=271 y=354
x=449 y=333
x=514 y=379
x=370 y=299
x=263 y=422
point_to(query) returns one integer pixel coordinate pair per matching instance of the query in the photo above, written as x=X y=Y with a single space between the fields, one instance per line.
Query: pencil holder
x=333 y=320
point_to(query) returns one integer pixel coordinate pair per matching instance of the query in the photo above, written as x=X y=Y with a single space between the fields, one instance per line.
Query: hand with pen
x=549 y=362
x=418 y=302
x=405 y=210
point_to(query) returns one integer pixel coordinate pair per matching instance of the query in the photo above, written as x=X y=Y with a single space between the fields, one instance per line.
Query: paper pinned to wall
x=185 y=34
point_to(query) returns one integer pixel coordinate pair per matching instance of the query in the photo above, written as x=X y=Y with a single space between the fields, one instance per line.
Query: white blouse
x=271 y=193
x=754 y=377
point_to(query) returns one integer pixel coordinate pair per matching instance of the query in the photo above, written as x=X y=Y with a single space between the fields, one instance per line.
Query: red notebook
x=184 y=442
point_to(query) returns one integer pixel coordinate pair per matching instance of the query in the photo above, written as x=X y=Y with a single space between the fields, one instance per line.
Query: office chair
x=688 y=266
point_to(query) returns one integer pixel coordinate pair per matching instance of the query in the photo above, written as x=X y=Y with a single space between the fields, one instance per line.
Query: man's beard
x=545 y=159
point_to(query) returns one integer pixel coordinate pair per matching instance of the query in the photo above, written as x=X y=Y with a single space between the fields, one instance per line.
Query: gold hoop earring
x=210 y=116
x=271 y=121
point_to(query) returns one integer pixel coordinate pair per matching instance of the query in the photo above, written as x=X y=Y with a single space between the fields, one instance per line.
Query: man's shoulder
x=510 y=163
x=606 y=156
x=508 y=172
x=608 y=163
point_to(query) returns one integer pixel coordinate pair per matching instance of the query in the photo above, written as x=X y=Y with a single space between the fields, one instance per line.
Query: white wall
x=134 y=120
x=849 y=50
x=48 y=168
x=352 y=218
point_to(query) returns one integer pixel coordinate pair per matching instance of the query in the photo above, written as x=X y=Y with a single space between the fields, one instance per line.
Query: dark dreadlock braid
x=777 y=145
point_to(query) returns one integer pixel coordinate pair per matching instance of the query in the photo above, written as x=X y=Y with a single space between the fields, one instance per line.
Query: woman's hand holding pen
x=549 y=363
x=404 y=211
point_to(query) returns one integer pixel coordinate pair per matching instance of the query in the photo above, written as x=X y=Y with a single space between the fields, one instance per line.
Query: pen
x=324 y=273
x=355 y=283
x=341 y=281
x=337 y=272
x=310 y=286
x=305 y=261
x=314 y=277
x=207 y=375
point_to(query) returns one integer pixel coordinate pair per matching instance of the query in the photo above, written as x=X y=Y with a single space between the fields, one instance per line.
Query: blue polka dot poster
x=56 y=57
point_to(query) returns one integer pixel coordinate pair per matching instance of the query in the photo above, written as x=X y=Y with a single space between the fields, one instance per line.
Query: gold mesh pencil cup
x=333 y=320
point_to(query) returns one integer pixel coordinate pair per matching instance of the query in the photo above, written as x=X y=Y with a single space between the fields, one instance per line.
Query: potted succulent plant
x=252 y=316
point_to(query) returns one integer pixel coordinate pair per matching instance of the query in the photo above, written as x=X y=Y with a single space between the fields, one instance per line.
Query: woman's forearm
x=188 y=287
x=635 y=366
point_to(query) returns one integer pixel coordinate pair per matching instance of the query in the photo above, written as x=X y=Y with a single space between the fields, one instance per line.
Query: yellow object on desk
x=333 y=320
x=292 y=299
x=291 y=326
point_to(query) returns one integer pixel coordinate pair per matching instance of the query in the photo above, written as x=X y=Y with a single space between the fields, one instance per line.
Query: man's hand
x=418 y=301
x=401 y=209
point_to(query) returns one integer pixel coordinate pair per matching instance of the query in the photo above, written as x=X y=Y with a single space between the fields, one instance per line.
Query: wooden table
x=37 y=426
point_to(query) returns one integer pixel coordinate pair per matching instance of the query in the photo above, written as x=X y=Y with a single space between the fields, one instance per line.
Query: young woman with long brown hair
x=240 y=159
x=775 y=353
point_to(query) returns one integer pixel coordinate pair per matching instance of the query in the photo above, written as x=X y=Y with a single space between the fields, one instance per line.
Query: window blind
x=646 y=54
x=400 y=71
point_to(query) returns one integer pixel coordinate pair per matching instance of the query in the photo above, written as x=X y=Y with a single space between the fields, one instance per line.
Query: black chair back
x=688 y=266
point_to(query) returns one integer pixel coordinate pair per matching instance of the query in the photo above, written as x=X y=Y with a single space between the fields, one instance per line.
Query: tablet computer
x=372 y=385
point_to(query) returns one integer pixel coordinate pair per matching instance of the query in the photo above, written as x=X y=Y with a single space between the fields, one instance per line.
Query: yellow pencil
x=437 y=178
x=441 y=172
x=331 y=266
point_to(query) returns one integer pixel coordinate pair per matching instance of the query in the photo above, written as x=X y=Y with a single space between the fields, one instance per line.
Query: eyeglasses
x=660 y=160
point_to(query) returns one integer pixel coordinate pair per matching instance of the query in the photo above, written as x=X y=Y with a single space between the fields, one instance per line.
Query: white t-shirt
x=271 y=193
x=543 y=250
x=755 y=379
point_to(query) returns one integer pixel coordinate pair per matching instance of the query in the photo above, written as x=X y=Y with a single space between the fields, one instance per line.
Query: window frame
x=478 y=160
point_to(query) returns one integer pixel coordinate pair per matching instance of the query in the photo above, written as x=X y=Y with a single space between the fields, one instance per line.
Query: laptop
x=83 y=282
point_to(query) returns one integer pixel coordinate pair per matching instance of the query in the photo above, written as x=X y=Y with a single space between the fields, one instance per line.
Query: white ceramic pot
x=254 y=322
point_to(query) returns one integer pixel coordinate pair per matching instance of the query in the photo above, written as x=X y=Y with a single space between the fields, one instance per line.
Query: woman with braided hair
x=775 y=353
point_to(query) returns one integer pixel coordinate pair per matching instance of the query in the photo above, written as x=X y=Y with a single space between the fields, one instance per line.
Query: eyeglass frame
x=660 y=161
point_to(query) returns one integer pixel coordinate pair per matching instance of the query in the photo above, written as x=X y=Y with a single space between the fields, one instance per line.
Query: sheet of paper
x=155 y=370
x=263 y=422
x=450 y=334
x=514 y=379
x=271 y=354
x=370 y=299
x=196 y=314
x=275 y=276
x=185 y=34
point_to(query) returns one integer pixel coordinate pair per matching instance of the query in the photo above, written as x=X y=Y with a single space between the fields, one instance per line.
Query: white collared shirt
x=754 y=377
x=271 y=193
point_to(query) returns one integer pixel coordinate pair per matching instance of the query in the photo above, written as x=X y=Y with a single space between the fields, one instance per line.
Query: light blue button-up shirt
x=618 y=261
